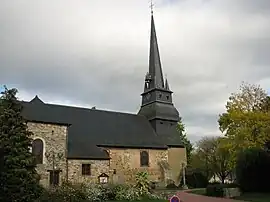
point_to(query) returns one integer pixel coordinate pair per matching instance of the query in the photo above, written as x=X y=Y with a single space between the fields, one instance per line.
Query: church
x=98 y=146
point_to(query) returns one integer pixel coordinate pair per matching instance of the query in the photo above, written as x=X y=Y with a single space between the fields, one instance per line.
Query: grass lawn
x=254 y=197
x=168 y=192
x=148 y=200
x=200 y=191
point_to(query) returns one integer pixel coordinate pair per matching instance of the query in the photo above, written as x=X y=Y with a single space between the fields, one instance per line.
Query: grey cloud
x=96 y=53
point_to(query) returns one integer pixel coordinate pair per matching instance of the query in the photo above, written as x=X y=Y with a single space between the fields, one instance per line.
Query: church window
x=144 y=158
x=86 y=169
x=37 y=150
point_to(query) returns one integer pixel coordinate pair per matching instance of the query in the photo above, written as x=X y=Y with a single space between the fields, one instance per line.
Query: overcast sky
x=95 y=52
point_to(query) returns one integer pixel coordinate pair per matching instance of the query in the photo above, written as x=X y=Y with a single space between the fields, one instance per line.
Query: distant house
x=229 y=179
x=92 y=145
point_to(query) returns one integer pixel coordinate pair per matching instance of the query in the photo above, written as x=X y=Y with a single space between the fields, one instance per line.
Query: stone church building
x=92 y=145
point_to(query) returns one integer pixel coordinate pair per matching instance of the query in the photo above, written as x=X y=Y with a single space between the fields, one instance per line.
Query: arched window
x=144 y=156
x=37 y=150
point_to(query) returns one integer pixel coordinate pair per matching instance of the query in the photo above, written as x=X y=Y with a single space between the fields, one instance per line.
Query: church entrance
x=54 y=177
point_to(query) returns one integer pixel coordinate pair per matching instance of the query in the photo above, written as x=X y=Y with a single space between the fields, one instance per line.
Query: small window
x=161 y=122
x=167 y=97
x=144 y=158
x=159 y=95
x=86 y=169
x=37 y=150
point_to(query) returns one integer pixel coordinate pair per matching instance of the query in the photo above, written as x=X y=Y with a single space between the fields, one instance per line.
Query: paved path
x=188 y=197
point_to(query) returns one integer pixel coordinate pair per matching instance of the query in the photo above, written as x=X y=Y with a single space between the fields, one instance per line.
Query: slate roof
x=91 y=127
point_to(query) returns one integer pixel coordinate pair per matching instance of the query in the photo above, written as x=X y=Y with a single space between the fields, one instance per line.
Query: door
x=54 y=177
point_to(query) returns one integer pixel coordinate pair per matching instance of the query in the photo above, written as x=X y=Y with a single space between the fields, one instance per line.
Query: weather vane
x=151 y=6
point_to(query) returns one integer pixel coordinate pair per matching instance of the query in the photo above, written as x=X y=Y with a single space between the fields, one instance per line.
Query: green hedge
x=195 y=178
x=218 y=189
x=252 y=170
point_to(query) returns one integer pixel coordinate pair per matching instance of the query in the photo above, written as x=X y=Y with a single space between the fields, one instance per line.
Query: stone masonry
x=126 y=163
x=121 y=168
x=54 y=139
x=97 y=168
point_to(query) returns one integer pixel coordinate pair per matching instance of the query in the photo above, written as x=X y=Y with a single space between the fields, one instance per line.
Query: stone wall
x=176 y=156
x=97 y=168
x=56 y=142
x=126 y=163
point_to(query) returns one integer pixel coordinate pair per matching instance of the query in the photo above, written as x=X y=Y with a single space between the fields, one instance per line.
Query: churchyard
x=218 y=167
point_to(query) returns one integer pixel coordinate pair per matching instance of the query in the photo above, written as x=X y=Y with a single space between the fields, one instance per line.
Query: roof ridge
x=85 y=108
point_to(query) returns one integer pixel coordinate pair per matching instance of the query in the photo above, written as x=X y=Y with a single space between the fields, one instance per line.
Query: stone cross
x=54 y=158
x=151 y=6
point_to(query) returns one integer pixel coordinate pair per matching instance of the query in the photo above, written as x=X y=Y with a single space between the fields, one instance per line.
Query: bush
x=66 y=192
x=171 y=184
x=152 y=185
x=81 y=192
x=142 y=182
x=216 y=190
x=195 y=179
x=252 y=170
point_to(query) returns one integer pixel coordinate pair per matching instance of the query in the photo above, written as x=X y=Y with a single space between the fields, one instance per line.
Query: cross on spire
x=151 y=6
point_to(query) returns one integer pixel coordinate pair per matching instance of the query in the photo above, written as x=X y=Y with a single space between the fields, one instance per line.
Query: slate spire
x=155 y=70
x=157 y=105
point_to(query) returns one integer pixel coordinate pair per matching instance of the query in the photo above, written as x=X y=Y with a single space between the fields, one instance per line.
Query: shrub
x=225 y=185
x=216 y=190
x=152 y=185
x=65 y=192
x=92 y=192
x=195 y=179
x=252 y=170
x=171 y=186
x=142 y=183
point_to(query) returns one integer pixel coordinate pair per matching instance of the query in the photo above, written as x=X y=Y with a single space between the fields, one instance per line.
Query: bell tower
x=157 y=105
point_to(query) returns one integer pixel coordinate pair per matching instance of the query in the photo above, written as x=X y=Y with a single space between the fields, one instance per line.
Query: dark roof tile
x=91 y=127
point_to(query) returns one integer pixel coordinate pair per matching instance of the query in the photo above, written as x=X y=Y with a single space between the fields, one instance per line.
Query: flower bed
x=79 y=192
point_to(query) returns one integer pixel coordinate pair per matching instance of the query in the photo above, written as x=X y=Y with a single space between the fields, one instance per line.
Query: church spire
x=157 y=102
x=155 y=70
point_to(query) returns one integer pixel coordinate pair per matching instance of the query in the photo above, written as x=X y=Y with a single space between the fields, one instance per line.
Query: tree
x=221 y=160
x=265 y=105
x=186 y=142
x=205 y=152
x=252 y=170
x=246 y=122
x=19 y=179
x=215 y=157
x=196 y=173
